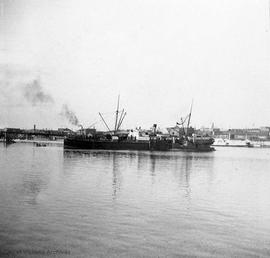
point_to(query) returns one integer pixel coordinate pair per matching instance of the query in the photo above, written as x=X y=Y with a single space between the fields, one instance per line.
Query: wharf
x=47 y=142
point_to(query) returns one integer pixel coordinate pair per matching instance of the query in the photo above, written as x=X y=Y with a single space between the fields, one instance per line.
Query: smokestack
x=155 y=128
x=81 y=130
x=34 y=127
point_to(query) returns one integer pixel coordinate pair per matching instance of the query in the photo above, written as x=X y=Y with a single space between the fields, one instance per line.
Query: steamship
x=116 y=143
x=117 y=139
x=134 y=140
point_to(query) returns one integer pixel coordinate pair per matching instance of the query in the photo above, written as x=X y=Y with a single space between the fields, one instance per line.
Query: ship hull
x=193 y=148
x=70 y=143
x=152 y=145
x=194 y=144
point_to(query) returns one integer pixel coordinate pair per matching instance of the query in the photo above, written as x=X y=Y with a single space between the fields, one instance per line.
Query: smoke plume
x=34 y=94
x=70 y=115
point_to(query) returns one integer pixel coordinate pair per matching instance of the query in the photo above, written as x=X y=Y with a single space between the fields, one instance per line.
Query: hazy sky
x=158 y=55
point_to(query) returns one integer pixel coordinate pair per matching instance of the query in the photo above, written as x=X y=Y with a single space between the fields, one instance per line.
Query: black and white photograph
x=135 y=128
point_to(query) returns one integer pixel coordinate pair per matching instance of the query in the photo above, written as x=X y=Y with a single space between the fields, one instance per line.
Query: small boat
x=8 y=140
x=38 y=144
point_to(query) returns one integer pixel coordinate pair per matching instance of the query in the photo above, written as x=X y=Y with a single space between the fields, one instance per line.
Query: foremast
x=118 y=118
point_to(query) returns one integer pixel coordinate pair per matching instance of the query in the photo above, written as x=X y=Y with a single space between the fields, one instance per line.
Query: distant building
x=11 y=130
x=65 y=131
x=257 y=134
x=179 y=131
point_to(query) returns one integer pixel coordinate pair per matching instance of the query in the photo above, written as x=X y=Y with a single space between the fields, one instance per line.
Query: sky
x=60 y=57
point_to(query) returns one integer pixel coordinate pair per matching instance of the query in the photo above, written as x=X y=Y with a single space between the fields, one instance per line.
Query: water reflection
x=111 y=161
x=116 y=175
x=185 y=173
x=153 y=167
x=162 y=165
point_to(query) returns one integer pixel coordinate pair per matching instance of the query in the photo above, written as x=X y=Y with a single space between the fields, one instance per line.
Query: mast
x=189 y=116
x=116 y=116
x=104 y=122
x=121 y=121
x=183 y=127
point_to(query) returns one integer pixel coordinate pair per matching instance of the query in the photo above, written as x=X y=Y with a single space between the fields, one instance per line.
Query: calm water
x=134 y=204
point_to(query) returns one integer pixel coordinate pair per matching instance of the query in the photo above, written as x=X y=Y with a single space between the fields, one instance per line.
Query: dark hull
x=193 y=148
x=70 y=143
x=152 y=145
